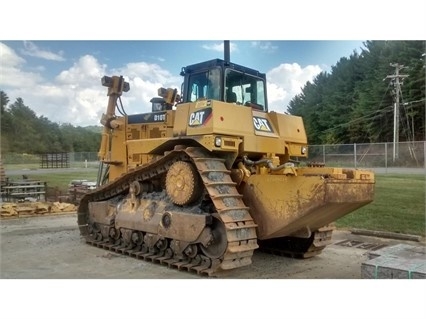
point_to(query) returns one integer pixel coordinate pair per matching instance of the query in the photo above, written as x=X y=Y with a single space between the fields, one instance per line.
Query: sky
x=61 y=80
x=55 y=61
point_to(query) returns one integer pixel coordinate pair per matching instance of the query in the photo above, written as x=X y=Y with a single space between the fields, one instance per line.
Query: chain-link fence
x=84 y=156
x=74 y=159
x=84 y=159
x=409 y=155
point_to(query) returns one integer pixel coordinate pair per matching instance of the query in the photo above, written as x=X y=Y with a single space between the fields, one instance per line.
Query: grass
x=399 y=204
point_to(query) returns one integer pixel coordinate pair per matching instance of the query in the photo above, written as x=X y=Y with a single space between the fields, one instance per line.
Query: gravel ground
x=49 y=247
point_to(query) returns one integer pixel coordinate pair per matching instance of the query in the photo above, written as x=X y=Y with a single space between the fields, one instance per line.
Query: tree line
x=354 y=103
x=22 y=131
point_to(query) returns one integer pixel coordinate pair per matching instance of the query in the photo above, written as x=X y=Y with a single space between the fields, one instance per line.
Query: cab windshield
x=235 y=87
x=244 y=89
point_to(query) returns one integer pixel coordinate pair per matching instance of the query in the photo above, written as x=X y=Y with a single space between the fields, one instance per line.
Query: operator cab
x=224 y=81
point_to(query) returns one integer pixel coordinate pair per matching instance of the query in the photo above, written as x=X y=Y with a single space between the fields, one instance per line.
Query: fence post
x=386 y=158
x=323 y=153
x=355 y=154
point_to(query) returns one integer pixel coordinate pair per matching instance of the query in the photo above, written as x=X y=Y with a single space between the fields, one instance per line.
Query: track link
x=239 y=225
x=240 y=229
x=301 y=248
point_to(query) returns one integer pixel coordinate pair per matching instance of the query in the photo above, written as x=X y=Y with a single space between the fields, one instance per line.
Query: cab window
x=205 y=85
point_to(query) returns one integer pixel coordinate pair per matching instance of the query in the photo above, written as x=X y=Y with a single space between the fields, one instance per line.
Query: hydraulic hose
x=266 y=161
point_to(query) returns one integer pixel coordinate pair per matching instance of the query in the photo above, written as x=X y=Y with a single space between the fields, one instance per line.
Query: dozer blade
x=297 y=205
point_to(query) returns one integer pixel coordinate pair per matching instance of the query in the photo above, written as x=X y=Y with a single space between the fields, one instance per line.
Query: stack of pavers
x=396 y=262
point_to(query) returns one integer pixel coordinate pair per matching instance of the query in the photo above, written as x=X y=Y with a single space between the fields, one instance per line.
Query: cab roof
x=220 y=63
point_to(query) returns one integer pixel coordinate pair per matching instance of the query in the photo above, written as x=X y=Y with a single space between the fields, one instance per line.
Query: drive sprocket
x=183 y=183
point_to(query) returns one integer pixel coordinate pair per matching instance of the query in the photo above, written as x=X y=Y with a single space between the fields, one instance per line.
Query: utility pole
x=395 y=80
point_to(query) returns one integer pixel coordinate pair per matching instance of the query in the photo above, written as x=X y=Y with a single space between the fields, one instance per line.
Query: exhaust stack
x=227 y=51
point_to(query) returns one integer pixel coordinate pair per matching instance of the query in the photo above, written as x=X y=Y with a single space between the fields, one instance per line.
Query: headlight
x=218 y=141
x=303 y=150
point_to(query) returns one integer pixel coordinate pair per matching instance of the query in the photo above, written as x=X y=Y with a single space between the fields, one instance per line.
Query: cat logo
x=199 y=117
x=262 y=124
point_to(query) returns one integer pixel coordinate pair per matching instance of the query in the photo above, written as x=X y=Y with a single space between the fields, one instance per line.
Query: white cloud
x=287 y=80
x=10 y=70
x=147 y=71
x=264 y=46
x=8 y=57
x=75 y=95
x=82 y=73
x=219 y=47
x=32 y=50
x=145 y=79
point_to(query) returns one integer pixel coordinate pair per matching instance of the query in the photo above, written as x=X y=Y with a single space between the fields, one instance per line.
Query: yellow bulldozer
x=210 y=175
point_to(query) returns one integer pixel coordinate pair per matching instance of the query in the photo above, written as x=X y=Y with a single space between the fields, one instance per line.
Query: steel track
x=240 y=229
x=301 y=248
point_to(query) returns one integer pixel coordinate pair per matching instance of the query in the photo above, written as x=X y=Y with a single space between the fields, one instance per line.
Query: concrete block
x=396 y=262
x=400 y=250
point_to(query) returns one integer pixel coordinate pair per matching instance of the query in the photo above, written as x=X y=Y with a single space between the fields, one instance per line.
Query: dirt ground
x=50 y=247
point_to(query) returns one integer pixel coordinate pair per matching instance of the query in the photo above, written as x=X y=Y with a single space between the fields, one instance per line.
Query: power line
x=365 y=116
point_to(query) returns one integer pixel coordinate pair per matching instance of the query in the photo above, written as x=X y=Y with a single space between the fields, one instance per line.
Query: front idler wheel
x=217 y=246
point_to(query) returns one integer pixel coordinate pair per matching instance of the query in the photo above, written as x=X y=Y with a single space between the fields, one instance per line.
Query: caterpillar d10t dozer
x=210 y=175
